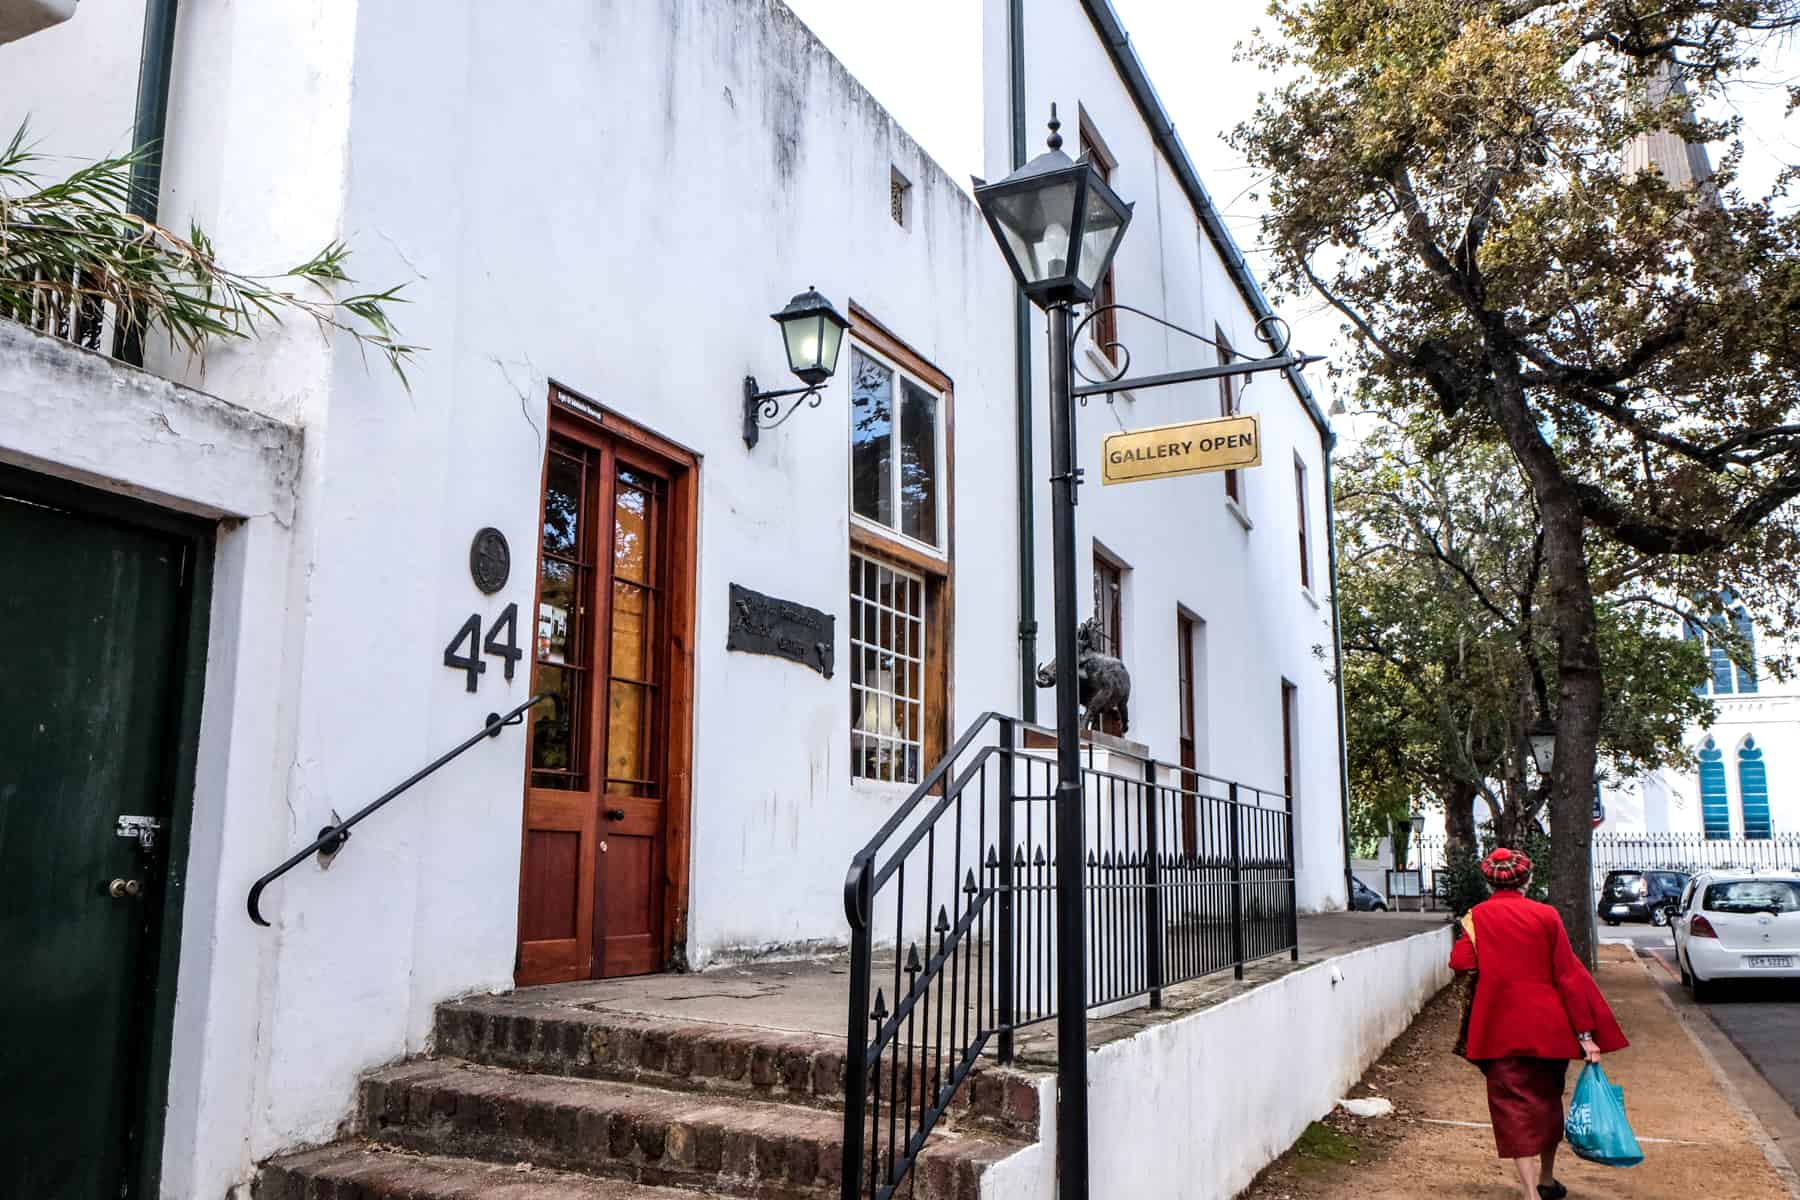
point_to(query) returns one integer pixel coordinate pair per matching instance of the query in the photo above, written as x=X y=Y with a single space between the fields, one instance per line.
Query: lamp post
x=1058 y=223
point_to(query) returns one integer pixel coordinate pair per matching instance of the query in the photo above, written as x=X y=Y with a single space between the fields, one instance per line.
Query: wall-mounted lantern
x=812 y=331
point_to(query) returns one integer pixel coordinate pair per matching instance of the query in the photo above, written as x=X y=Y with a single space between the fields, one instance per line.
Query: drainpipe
x=1337 y=651
x=148 y=130
x=1015 y=40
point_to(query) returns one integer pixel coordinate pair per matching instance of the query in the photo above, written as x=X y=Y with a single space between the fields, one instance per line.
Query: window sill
x=1107 y=369
x=1237 y=511
x=880 y=790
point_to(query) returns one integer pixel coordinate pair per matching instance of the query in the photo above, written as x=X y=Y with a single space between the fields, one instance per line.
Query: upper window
x=895 y=463
x=900 y=198
x=1109 y=609
x=1722 y=643
x=1300 y=513
x=1106 y=325
x=1230 y=388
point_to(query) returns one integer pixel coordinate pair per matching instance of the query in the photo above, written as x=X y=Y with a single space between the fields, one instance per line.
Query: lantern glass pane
x=804 y=337
x=1036 y=222
x=833 y=342
x=1099 y=232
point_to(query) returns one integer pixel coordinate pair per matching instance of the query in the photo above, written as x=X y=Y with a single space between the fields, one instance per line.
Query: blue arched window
x=1753 y=790
x=1715 y=805
x=1746 y=672
x=1727 y=677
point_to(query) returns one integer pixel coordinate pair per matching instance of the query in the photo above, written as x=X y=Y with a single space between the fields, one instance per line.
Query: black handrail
x=332 y=837
x=1189 y=873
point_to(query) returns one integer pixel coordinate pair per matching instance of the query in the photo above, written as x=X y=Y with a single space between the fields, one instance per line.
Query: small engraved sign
x=765 y=625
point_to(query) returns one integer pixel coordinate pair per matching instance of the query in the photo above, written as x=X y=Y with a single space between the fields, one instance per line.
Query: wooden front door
x=96 y=726
x=606 y=789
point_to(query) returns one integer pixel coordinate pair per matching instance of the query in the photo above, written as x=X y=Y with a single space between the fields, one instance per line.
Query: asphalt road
x=1761 y=1019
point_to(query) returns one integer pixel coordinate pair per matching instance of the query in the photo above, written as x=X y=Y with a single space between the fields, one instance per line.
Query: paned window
x=1230 y=387
x=894 y=440
x=1753 y=791
x=1300 y=515
x=1186 y=632
x=1721 y=642
x=1109 y=607
x=900 y=562
x=887 y=671
x=564 y=622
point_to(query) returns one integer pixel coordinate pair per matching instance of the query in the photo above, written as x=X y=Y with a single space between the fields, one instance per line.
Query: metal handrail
x=332 y=837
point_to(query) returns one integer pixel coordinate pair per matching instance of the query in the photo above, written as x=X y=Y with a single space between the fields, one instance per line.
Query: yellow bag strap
x=1468 y=924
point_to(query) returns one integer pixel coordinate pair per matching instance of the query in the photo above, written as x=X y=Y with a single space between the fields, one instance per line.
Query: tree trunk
x=1459 y=815
x=1579 y=685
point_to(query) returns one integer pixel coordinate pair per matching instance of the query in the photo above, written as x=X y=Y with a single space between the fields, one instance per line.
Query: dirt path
x=1438 y=1147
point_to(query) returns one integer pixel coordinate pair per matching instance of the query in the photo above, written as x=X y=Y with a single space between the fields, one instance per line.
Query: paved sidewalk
x=1697 y=1141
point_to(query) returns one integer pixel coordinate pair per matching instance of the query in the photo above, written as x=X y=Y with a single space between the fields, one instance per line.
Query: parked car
x=1364 y=898
x=1640 y=895
x=1738 y=925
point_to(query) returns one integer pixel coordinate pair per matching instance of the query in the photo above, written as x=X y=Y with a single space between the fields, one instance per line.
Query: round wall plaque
x=490 y=560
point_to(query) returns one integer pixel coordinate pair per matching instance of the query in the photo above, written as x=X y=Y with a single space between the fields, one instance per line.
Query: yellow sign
x=1222 y=444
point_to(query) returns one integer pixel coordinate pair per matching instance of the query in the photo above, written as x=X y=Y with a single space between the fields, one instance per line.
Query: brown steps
x=362 y=1171
x=514 y=1031
x=729 y=1146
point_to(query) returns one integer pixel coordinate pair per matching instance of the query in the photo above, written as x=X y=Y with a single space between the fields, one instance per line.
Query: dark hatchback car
x=1640 y=895
x=1364 y=898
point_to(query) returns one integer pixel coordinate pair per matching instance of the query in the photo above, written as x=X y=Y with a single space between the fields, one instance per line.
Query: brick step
x=521 y=1034
x=363 y=1171
x=725 y=1145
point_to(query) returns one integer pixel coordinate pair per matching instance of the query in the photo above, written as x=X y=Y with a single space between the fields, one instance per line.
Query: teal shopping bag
x=1596 y=1128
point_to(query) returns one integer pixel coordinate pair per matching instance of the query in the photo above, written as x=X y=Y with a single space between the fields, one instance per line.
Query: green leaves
x=70 y=250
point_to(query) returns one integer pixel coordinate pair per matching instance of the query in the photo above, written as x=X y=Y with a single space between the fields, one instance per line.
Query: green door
x=95 y=637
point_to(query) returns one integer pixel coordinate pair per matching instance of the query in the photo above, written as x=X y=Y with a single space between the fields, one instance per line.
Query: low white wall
x=1222 y=1093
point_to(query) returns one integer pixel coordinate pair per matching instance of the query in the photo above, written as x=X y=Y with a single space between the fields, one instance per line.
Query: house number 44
x=502 y=642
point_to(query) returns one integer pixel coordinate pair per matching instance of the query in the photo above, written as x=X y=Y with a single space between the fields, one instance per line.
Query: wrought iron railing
x=332 y=837
x=953 y=927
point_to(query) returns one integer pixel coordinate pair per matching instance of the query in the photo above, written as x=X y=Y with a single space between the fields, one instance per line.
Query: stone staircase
x=523 y=1100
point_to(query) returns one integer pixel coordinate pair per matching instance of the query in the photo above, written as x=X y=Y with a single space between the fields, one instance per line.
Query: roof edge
x=1162 y=129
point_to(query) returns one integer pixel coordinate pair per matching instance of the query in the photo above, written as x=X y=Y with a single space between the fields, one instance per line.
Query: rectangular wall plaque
x=764 y=625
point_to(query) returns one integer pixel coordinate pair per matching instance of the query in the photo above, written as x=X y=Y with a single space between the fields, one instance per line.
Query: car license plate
x=1619 y=909
x=1779 y=961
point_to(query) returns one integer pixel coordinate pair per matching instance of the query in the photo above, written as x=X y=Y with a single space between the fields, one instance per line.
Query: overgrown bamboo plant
x=72 y=252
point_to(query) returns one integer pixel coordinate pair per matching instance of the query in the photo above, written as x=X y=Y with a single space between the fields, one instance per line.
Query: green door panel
x=92 y=613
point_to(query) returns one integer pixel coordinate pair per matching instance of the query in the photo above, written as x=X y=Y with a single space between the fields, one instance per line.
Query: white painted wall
x=1182 y=543
x=613 y=197
x=1224 y=1092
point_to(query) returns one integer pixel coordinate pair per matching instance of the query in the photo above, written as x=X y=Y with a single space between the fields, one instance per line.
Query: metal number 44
x=506 y=650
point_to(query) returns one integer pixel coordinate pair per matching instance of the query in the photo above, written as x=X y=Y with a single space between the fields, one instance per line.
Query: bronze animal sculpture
x=1103 y=684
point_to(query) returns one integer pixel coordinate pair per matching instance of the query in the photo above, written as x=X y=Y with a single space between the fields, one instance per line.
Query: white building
x=1745 y=783
x=595 y=210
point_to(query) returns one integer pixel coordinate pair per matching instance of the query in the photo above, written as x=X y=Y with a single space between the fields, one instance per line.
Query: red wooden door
x=596 y=866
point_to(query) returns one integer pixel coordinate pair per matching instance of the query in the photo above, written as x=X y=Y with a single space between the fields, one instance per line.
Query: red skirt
x=1525 y=1102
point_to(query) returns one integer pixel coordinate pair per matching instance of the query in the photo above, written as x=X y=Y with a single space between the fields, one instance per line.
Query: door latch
x=143 y=829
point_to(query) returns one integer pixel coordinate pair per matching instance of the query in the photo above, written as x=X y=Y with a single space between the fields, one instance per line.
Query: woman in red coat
x=1536 y=1009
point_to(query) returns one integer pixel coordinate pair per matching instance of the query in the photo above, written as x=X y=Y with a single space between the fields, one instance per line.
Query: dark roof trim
x=1162 y=129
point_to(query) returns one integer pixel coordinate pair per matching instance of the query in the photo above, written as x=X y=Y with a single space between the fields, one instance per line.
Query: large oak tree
x=1469 y=182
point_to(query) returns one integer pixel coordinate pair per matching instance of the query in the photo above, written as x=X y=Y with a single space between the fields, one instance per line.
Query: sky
x=922 y=61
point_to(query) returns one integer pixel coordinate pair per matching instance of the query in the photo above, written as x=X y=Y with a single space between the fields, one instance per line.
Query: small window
x=895 y=424
x=1229 y=390
x=1300 y=514
x=899 y=198
x=1109 y=609
x=1106 y=325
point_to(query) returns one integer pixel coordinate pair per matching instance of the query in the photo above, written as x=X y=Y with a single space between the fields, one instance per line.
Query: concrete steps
x=528 y=1100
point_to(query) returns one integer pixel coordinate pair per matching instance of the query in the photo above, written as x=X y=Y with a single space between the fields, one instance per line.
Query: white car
x=1738 y=925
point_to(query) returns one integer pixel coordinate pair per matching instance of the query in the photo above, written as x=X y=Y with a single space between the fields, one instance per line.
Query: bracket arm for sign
x=1277 y=362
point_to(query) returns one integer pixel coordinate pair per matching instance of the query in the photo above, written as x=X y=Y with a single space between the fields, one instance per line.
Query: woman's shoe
x=1552 y=1191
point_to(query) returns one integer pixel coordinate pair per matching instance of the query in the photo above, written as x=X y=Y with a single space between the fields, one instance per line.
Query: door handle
x=615 y=814
x=124 y=889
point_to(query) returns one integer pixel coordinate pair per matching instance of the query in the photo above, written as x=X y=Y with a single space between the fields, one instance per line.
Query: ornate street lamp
x=1057 y=222
x=812 y=331
x=1542 y=736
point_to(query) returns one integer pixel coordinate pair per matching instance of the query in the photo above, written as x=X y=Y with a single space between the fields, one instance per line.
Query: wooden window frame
x=1187 y=721
x=1305 y=527
x=1230 y=392
x=1106 y=567
x=937 y=565
x=1105 y=329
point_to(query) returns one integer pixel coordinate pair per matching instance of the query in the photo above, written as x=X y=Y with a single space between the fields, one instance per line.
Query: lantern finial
x=1055 y=139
